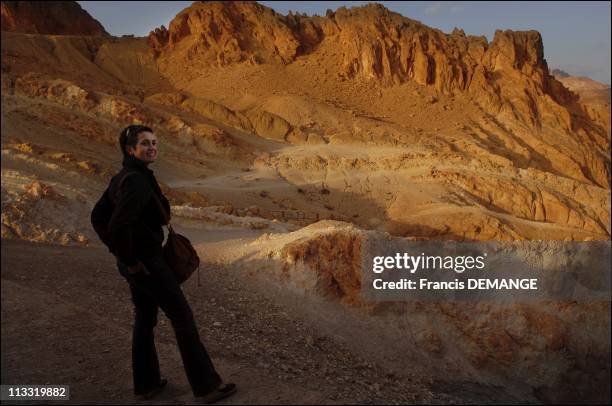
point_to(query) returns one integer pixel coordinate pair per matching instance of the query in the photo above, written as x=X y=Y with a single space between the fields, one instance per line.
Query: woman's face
x=145 y=149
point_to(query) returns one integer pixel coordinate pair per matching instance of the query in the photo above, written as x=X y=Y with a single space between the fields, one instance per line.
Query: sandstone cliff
x=507 y=78
x=509 y=74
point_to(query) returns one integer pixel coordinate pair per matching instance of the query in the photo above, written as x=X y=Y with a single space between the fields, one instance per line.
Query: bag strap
x=162 y=210
x=115 y=197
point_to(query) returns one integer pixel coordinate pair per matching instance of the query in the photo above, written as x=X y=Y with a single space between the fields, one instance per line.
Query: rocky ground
x=73 y=309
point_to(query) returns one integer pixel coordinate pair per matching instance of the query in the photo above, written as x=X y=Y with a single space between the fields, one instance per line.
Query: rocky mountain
x=560 y=73
x=523 y=151
x=589 y=90
x=49 y=17
x=376 y=43
x=508 y=77
x=594 y=96
x=285 y=141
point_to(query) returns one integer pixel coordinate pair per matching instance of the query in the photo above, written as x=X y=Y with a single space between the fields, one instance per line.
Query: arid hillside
x=323 y=117
x=51 y=17
x=305 y=134
x=594 y=96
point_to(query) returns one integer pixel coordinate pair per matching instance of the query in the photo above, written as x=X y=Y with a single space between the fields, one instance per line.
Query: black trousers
x=160 y=289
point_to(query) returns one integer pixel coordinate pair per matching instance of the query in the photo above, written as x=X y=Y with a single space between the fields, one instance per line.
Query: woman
x=129 y=221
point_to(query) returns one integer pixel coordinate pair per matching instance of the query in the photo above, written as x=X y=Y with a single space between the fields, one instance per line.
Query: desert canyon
x=289 y=142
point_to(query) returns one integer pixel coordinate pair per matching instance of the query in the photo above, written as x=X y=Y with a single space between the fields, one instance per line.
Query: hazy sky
x=576 y=35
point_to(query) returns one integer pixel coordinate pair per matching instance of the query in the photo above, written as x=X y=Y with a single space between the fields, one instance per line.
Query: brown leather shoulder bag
x=178 y=252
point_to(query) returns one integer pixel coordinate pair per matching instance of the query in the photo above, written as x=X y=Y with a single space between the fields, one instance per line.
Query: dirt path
x=66 y=319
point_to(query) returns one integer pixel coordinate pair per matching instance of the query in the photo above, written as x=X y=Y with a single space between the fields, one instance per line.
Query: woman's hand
x=139 y=267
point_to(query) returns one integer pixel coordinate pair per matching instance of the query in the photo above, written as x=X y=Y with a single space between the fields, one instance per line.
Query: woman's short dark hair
x=129 y=136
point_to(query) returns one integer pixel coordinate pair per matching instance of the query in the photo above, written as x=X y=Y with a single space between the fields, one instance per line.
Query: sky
x=576 y=35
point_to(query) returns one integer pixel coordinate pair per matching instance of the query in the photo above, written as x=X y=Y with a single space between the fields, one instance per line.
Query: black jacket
x=127 y=218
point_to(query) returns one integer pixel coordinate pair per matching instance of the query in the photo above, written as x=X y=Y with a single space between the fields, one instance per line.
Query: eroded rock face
x=334 y=260
x=508 y=78
x=217 y=112
x=38 y=213
x=58 y=90
x=228 y=32
x=543 y=346
x=71 y=95
x=268 y=125
x=49 y=17
x=375 y=44
x=594 y=96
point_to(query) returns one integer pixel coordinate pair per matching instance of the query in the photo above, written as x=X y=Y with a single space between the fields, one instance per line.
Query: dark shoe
x=224 y=390
x=153 y=392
